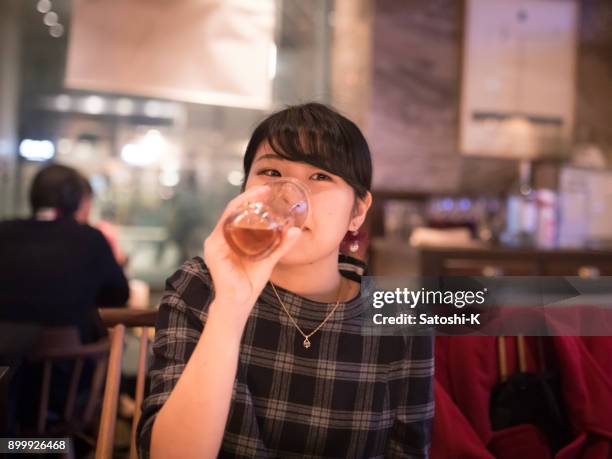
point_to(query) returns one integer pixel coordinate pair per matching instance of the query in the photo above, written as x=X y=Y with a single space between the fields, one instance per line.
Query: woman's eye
x=321 y=176
x=269 y=172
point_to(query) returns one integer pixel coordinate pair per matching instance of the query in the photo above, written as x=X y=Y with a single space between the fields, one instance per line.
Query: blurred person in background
x=188 y=217
x=55 y=271
x=107 y=228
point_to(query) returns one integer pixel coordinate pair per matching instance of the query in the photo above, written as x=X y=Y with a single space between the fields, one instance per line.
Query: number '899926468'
x=34 y=445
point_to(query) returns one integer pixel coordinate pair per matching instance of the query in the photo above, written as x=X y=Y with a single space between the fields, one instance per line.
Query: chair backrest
x=118 y=320
x=63 y=344
x=140 y=387
x=106 y=432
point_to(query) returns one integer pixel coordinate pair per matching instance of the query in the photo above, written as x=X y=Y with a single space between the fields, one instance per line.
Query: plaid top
x=350 y=395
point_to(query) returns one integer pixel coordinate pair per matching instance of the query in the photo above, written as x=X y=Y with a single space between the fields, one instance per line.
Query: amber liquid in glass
x=251 y=241
x=255 y=229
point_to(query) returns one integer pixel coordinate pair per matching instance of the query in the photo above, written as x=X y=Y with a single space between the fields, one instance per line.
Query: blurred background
x=489 y=121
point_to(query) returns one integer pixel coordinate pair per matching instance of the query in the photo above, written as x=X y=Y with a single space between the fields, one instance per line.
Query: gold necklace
x=307 y=336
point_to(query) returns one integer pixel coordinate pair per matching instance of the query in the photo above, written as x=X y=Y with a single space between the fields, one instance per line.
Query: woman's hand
x=239 y=281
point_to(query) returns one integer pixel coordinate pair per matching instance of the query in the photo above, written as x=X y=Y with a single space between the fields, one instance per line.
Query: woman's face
x=332 y=204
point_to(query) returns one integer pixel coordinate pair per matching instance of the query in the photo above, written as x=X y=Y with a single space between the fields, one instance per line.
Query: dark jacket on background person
x=52 y=273
x=57 y=273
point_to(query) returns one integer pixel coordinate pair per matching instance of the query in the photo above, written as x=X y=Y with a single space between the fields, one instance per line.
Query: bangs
x=316 y=135
x=308 y=147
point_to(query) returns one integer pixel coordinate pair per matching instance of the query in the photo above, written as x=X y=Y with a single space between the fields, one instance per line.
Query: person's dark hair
x=58 y=186
x=87 y=188
x=318 y=135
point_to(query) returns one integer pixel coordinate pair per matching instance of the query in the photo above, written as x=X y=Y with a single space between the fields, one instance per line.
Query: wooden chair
x=57 y=345
x=118 y=320
x=63 y=344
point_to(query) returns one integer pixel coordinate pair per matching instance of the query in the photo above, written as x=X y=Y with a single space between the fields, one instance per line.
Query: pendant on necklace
x=306 y=343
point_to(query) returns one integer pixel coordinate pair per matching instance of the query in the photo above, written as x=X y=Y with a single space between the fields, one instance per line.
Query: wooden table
x=129 y=317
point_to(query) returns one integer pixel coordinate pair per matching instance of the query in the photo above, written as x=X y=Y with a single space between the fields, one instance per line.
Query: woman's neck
x=318 y=281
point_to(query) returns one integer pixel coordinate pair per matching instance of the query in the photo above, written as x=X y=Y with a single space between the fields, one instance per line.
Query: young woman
x=268 y=358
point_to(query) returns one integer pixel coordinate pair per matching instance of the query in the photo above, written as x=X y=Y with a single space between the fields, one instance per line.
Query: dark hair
x=58 y=186
x=318 y=135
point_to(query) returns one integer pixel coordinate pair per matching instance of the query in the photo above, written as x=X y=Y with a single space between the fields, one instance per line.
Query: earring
x=354 y=247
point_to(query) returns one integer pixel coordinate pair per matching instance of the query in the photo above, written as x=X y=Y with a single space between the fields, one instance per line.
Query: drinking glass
x=255 y=229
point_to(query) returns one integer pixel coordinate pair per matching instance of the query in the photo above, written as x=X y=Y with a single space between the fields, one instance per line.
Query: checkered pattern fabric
x=350 y=395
